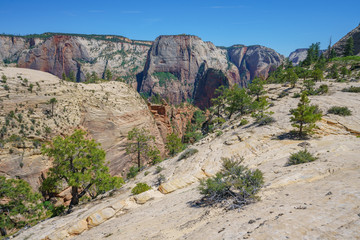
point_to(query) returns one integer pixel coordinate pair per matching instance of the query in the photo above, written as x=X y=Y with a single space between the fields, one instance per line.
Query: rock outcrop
x=107 y=111
x=177 y=66
x=298 y=56
x=174 y=62
x=254 y=61
x=339 y=46
x=79 y=54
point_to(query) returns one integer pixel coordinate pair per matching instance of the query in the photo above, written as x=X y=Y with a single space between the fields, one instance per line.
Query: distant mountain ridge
x=136 y=61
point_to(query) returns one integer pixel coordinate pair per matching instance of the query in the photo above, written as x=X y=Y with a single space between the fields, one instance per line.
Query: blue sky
x=281 y=25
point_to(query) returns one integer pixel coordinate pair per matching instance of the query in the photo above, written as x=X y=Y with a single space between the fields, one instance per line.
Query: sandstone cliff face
x=298 y=56
x=254 y=61
x=340 y=45
x=173 y=63
x=11 y=47
x=205 y=86
x=107 y=111
x=60 y=54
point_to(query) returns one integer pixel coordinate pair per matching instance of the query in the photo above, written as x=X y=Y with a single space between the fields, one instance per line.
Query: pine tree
x=291 y=77
x=174 y=144
x=19 y=205
x=80 y=163
x=305 y=115
x=349 y=47
x=237 y=100
x=256 y=88
x=140 y=144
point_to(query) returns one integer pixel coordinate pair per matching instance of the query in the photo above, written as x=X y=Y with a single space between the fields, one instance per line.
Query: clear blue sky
x=281 y=25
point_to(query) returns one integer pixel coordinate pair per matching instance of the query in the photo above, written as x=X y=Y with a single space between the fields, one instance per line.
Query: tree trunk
x=74 y=198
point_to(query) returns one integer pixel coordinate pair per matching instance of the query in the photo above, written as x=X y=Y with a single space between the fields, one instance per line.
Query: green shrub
x=283 y=93
x=188 y=153
x=158 y=169
x=139 y=188
x=352 y=89
x=343 y=111
x=264 y=120
x=133 y=171
x=233 y=187
x=322 y=89
x=296 y=95
x=302 y=156
x=218 y=133
x=243 y=122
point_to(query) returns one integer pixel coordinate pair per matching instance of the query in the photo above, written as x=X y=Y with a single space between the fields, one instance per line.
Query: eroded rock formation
x=339 y=46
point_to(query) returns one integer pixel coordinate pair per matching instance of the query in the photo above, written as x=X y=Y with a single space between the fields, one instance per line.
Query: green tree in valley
x=72 y=76
x=140 y=145
x=78 y=163
x=19 y=205
x=305 y=115
x=349 y=47
x=108 y=75
x=174 y=144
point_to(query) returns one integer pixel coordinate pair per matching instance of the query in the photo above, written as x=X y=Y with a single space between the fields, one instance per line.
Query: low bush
x=352 y=89
x=342 y=111
x=243 y=122
x=133 y=171
x=158 y=169
x=139 y=188
x=302 y=156
x=187 y=153
x=296 y=95
x=322 y=89
x=264 y=120
x=233 y=187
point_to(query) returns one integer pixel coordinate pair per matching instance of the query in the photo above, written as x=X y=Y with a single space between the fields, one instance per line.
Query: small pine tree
x=349 y=47
x=256 y=88
x=305 y=115
x=108 y=75
x=174 y=144
x=291 y=77
x=237 y=100
x=139 y=145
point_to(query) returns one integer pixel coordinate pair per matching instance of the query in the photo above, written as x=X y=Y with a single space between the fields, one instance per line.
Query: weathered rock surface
x=339 y=46
x=298 y=56
x=317 y=200
x=80 y=54
x=107 y=111
x=254 y=61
